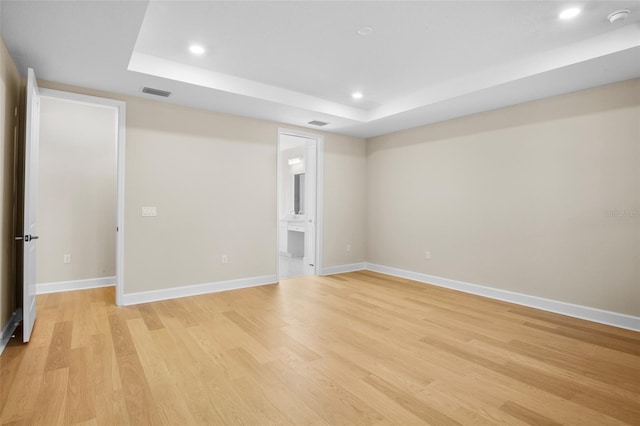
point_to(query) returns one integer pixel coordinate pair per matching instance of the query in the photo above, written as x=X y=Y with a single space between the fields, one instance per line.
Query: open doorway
x=299 y=203
x=80 y=195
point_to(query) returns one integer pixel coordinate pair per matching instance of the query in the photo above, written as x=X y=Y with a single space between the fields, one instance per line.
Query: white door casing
x=313 y=245
x=309 y=259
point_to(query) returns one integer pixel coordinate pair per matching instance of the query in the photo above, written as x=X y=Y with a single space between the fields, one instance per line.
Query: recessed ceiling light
x=364 y=31
x=196 y=49
x=356 y=95
x=569 y=13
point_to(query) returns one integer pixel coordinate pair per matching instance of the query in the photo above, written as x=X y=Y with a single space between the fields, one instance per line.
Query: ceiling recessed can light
x=364 y=31
x=196 y=49
x=356 y=95
x=569 y=13
x=618 y=15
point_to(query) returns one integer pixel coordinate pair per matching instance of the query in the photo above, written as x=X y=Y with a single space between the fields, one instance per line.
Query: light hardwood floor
x=357 y=348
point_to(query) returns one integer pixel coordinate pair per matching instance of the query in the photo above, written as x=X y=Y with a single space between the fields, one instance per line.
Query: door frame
x=121 y=116
x=319 y=195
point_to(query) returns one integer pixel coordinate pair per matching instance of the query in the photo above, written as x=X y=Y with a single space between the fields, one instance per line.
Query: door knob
x=26 y=238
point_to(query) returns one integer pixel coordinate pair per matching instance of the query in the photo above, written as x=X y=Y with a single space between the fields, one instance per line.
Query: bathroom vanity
x=293 y=227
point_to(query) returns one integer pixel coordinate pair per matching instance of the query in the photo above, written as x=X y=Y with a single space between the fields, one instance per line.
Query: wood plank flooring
x=357 y=348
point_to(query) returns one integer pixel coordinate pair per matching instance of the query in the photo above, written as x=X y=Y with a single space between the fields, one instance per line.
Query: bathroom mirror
x=298 y=193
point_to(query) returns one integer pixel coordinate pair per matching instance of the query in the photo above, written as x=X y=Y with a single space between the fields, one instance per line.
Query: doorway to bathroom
x=298 y=204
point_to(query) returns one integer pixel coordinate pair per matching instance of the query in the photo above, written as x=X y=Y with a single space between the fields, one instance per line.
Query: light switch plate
x=149 y=211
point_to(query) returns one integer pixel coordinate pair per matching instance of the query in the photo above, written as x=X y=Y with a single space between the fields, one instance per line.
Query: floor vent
x=318 y=123
x=156 y=92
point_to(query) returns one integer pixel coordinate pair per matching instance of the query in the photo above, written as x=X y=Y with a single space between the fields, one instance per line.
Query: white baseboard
x=194 y=290
x=8 y=329
x=341 y=269
x=58 y=286
x=583 y=312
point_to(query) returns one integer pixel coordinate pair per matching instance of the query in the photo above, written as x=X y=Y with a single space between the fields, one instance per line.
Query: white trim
x=577 y=311
x=120 y=152
x=121 y=117
x=278 y=212
x=319 y=201
x=196 y=289
x=319 y=194
x=58 y=286
x=9 y=328
x=341 y=269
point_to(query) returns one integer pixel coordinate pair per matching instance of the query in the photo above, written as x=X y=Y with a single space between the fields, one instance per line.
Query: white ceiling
x=293 y=62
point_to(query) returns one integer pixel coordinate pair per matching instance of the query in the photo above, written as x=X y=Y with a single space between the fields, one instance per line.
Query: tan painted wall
x=212 y=177
x=515 y=199
x=9 y=99
x=345 y=195
x=525 y=199
x=76 y=191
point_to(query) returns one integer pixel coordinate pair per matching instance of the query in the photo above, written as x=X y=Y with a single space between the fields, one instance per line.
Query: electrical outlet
x=225 y=259
x=427 y=255
x=348 y=248
x=66 y=258
x=149 y=211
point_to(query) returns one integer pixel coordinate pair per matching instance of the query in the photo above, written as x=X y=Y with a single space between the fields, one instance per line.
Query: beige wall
x=514 y=199
x=9 y=99
x=345 y=214
x=518 y=199
x=76 y=191
x=212 y=177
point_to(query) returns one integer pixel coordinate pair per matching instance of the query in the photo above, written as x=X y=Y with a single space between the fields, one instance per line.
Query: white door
x=29 y=236
x=309 y=259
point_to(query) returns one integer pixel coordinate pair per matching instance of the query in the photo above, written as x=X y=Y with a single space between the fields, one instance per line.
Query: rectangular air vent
x=156 y=92
x=318 y=123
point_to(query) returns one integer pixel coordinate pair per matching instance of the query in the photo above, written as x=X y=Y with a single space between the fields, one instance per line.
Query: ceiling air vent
x=156 y=92
x=318 y=123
